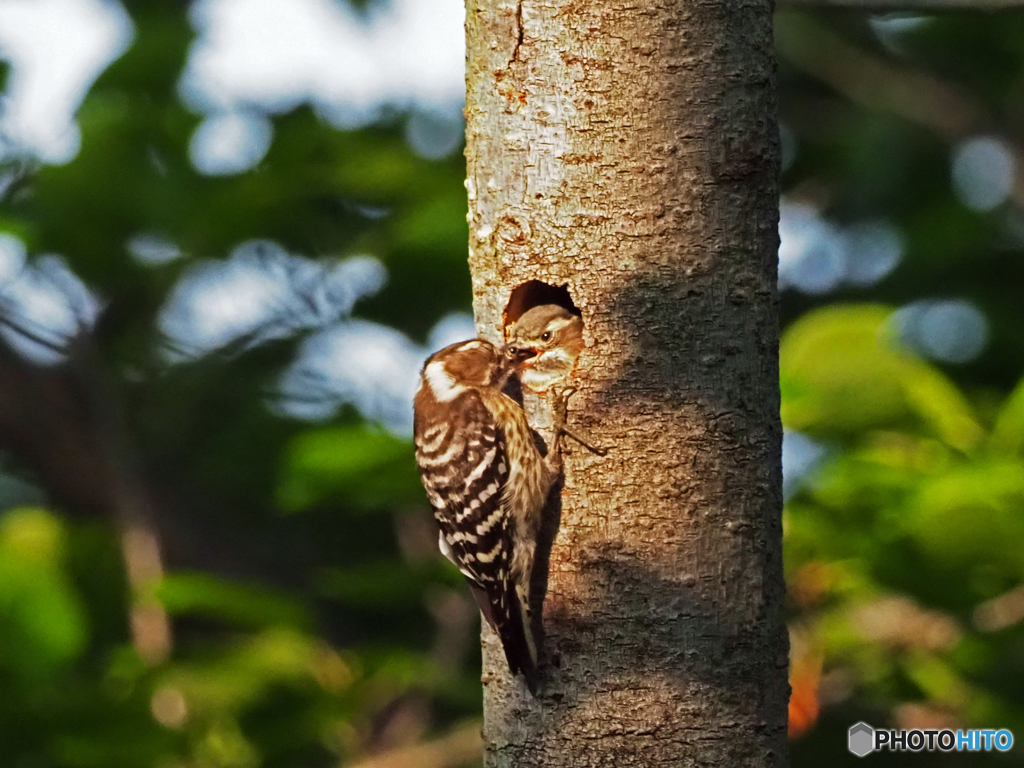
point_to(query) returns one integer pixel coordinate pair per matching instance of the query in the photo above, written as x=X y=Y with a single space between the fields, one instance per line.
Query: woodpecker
x=545 y=341
x=487 y=483
x=544 y=344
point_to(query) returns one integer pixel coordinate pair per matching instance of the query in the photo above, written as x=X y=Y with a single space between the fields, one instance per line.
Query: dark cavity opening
x=534 y=293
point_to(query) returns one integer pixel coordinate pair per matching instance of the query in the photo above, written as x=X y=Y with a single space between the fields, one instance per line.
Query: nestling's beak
x=519 y=355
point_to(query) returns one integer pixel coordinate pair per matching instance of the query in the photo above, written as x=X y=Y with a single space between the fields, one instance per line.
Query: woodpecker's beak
x=520 y=355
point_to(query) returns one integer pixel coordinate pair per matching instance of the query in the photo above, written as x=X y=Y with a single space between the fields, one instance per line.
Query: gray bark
x=629 y=151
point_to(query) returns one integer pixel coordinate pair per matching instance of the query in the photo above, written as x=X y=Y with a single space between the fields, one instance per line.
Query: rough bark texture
x=629 y=151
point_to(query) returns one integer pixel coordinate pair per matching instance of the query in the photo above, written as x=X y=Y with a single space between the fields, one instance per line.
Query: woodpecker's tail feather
x=511 y=624
x=517 y=640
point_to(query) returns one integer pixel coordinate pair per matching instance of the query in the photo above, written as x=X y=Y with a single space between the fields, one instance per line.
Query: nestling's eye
x=546 y=336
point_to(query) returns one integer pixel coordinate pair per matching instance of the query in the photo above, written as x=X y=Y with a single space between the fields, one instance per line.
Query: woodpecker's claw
x=560 y=409
x=592 y=448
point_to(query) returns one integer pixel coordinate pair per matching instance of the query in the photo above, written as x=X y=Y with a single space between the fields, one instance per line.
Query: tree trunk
x=629 y=152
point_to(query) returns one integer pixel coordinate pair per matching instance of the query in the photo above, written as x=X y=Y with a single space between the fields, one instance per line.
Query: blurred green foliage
x=903 y=548
x=301 y=559
x=363 y=465
x=313 y=621
x=903 y=541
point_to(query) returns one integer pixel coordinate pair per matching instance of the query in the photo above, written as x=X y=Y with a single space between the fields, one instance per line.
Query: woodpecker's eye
x=546 y=336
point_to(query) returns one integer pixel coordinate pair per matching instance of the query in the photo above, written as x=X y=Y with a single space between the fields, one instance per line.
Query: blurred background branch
x=869 y=80
x=460 y=747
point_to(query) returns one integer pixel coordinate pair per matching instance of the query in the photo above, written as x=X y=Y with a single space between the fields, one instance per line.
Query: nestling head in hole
x=543 y=345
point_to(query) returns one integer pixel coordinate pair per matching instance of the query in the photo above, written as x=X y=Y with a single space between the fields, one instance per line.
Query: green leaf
x=842 y=372
x=42 y=622
x=247 y=604
x=358 y=463
x=384 y=585
x=940 y=405
x=972 y=515
x=1008 y=432
x=838 y=375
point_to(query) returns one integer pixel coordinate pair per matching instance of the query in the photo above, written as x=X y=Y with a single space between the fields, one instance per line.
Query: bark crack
x=519 y=33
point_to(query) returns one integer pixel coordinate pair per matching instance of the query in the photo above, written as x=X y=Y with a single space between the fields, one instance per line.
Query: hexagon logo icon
x=861 y=739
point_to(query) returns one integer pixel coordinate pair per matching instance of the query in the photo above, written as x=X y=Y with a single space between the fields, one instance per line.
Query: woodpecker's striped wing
x=461 y=455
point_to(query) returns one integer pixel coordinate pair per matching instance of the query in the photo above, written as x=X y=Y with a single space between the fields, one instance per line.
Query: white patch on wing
x=445 y=548
x=482 y=497
x=487 y=524
x=481 y=467
x=454 y=449
x=488 y=557
x=447 y=551
x=441 y=383
x=432 y=438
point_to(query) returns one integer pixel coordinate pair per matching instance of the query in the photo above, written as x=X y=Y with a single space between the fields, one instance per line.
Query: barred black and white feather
x=486 y=482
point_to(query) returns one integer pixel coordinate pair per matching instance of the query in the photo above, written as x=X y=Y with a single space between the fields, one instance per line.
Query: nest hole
x=534 y=293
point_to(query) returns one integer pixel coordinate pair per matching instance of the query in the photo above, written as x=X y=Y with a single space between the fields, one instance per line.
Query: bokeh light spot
x=800 y=455
x=169 y=707
x=56 y=48
x=261 y=292
x=874 y=249
x=229 y=143
x=983 y=172
x=811 y=253
x=43 y=305
x=435 y=135
x=817 y=257
x=152 y=249
x=951 y=331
